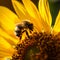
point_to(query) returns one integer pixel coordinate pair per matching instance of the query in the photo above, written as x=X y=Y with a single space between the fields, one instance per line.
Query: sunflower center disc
x=40 y=46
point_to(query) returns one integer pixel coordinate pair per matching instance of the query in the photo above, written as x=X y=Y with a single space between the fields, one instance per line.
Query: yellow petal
x=5 y=48
x=4 y=44
x=7 y=58
x=31 y=8
x=4 y=54
x=1 y=58
x=8 y=20
x=8 y=38
x=4 y=58
x=56 y=27
x=45 y=11
x=20 y=10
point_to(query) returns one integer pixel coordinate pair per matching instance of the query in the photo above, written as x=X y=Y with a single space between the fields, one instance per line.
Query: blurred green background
x=54 y=6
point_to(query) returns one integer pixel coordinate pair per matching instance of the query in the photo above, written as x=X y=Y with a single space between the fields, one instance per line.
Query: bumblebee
x=23 y=27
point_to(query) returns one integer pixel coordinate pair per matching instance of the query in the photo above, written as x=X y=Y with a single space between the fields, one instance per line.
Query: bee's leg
x=26 y=33
x=30 y=31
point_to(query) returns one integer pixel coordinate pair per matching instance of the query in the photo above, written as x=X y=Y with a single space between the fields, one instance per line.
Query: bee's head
x=18 y=30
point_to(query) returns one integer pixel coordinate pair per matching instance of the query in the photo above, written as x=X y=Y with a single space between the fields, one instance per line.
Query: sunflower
x=44 y=41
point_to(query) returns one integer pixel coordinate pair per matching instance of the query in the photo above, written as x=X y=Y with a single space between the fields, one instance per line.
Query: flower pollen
x=40 y=46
